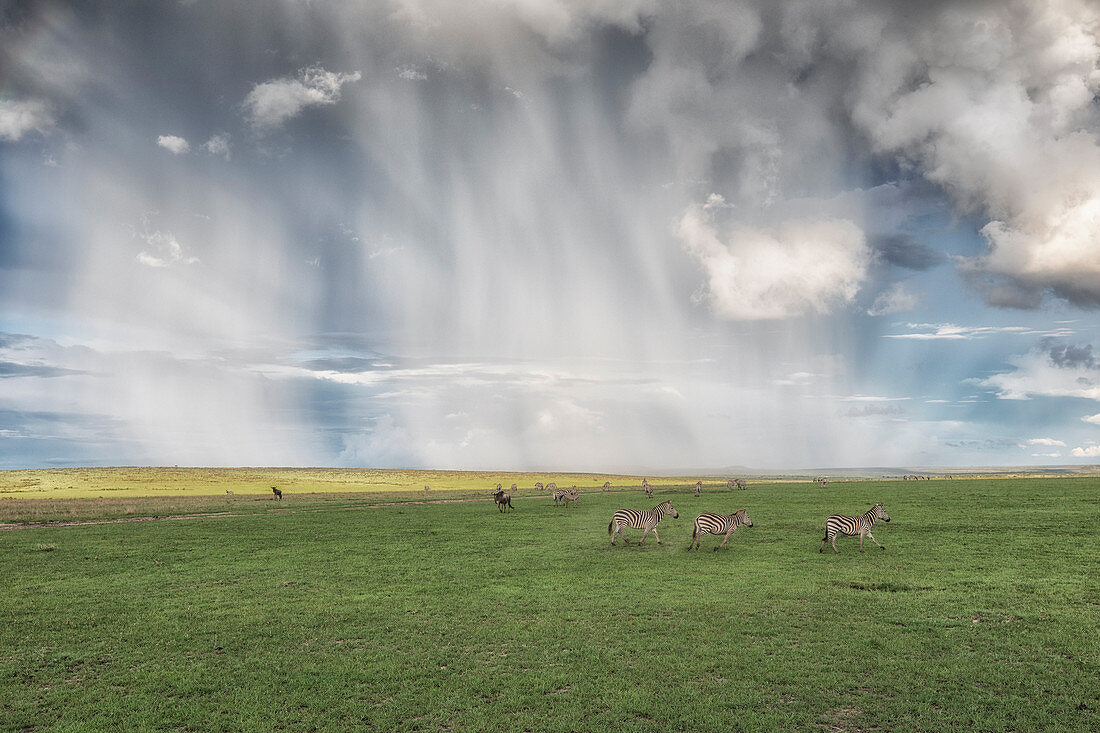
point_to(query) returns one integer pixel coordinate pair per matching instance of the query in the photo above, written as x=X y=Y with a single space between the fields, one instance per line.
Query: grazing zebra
x=538 y=485
x=698 y=488
x=646 y=519
x=551 y=486
x=513 y=487
x=560 y=494
x=228 y=491
x=731 y=484
x=647 y=489
x=716 y=524
x=851 y=526
x=742 y=483
x=278 y=494
x=606 y=485
x=502 y=498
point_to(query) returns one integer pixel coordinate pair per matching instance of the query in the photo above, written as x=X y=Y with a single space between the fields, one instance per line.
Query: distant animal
x=646 y=519
x=503 y=499
x=606 y=485
x=731 y=484
x=278 y=494
x=551 y=486
x=538 y=485
x=742 y=484
x=513 y=487
x=646 y=488
x=698 y=488
x=852 y=526
x=228 y=491
x=427 y=489
x=716 y=524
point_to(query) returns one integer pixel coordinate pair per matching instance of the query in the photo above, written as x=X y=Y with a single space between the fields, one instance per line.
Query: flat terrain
x=331 y=612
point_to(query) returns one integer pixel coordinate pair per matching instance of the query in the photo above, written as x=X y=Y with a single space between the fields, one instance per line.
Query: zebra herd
x=707 y=522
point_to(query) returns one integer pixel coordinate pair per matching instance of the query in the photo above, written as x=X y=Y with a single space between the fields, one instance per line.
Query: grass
x=983 y=613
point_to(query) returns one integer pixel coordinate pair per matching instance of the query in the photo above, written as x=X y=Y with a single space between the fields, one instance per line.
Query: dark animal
x=278 y=494
x=503 y=499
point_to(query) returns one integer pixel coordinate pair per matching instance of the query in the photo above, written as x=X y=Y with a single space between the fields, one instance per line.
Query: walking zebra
x=851 y=526
x=646 y=519
x=565 y=495
x=502 y=498
x=716 y=524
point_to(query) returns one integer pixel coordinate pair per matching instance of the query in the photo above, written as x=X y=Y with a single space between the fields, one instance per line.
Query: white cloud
x=1047 y=455
x=218 y=145
x=274 y=102
x=896 y=299
x=173 y=144
x=1045 y=441
x=386 y=445
x=1035 y=375
x=410 y=73
x=166 y=251
x=950 y=331
x=20 y=116
x=1091 y=451
x=1094 y=419
x=799 y=267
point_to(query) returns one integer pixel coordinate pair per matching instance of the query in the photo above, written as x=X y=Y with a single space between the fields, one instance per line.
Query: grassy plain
x=983 y=613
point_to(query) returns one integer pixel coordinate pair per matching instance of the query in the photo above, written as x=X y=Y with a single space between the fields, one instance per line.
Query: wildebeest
x=278 y=494
x=502 y=498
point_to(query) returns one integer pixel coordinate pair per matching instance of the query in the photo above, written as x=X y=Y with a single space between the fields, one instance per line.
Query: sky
x=550 y=234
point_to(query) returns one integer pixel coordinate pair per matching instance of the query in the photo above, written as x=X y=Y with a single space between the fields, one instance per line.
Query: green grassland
x=983 y=613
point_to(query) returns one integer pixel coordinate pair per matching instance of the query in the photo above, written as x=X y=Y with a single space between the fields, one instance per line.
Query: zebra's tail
x=610 y=525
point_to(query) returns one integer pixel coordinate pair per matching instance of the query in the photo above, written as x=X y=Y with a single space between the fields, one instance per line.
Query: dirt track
x=212 y=515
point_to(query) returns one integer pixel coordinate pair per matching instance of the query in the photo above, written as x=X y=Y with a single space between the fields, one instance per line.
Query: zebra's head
x=745 y=517
x=880 y=512
x=666 y=508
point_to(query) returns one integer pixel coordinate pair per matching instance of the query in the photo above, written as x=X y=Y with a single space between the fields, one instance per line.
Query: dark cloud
x=904 y=251
x=1071 y=356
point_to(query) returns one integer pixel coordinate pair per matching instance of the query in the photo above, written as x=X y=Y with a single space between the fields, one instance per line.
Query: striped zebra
x=698 y=488
x=716 y=524
x=646 y=519
x=565 y=495
x=851 y=526
x=538 y=485
x=551 y=486
x=606 y=486
x=647 y=488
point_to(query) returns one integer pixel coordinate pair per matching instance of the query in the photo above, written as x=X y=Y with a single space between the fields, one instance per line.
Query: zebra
x=606 y=485
x=647 y=488
x=427 y=489
x=278 y=494
x=742 y=484
x=551 y=486
x=227 y=491
x=851 y=526
x=513 y=487
x=716 y=524
x=698 y=488
x=646 y=519
x=538 y=485
x=502 y=498
x=564 y=494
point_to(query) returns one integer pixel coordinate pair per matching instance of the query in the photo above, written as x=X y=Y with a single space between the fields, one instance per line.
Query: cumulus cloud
x=896 y=299
x=1091 y=451
x=164 y=251
x=1094 y=419
x=174 y=144
x=20 y=116
x=272 y=103
x=798 y=267
x=1046 y=441
x=1036 y=375
x=218 y=145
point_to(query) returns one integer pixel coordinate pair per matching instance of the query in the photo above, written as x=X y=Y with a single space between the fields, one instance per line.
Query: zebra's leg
x=644 y=535
x=834 y=545
x=656 y=535
x=727 y=539
x=823 y=541
x=861 y=535
x=875 y=541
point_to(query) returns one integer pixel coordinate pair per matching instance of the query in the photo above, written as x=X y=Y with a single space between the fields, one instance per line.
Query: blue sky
x=550 y=234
